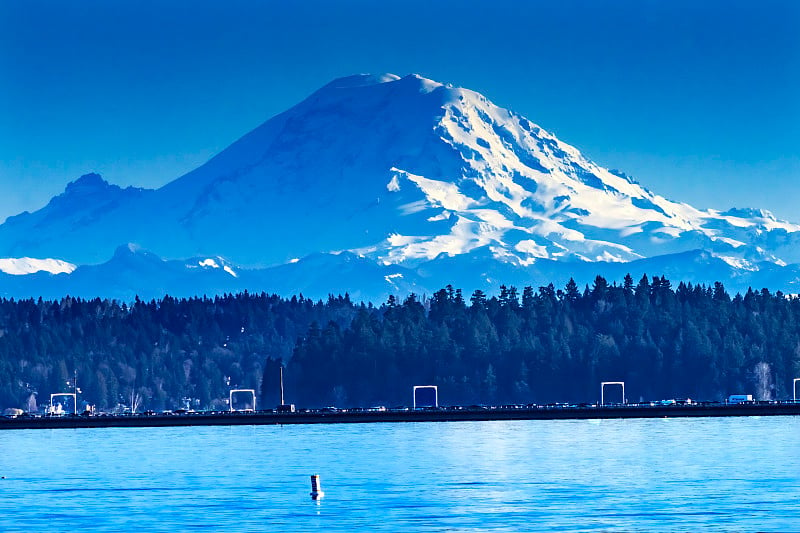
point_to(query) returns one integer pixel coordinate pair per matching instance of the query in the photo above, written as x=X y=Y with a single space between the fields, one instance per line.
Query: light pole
x=75 y=389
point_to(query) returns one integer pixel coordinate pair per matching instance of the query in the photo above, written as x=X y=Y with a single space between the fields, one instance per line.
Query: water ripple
x=619 y=475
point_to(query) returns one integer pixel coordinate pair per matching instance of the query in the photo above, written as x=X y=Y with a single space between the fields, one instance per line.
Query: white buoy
x=316 y=489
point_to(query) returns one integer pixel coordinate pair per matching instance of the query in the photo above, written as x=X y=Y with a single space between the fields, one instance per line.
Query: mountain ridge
x=133 y=272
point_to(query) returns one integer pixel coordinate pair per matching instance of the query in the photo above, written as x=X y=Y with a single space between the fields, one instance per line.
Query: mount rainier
x=378 y=185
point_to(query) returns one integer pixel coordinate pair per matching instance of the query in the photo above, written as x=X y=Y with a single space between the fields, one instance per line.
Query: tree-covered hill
x=541 y=345
x=162 y=351
x=558 y=345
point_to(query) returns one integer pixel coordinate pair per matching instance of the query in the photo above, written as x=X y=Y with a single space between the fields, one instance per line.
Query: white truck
x=740 y=398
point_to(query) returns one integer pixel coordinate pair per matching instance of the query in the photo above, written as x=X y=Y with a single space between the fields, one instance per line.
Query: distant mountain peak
x=87 y=183
x=133 y=252
x=94 y=184
x=409 y=84
x=405 y=172
x=128 y=249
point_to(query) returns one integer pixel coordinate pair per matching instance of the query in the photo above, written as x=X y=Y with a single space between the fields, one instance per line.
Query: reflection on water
x=615 y=475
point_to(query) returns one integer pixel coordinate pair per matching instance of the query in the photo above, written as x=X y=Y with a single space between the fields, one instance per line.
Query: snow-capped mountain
x=398 y=171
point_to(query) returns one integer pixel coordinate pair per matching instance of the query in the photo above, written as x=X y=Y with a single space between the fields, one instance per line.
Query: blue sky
x=697 y=100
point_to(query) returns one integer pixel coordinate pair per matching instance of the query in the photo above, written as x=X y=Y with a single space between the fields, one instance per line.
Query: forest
x=539 y=345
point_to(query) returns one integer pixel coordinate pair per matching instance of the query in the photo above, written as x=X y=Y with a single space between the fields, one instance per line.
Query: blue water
x=732 y=474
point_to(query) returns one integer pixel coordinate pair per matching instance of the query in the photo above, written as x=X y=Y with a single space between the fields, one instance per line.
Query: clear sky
x=700 y=101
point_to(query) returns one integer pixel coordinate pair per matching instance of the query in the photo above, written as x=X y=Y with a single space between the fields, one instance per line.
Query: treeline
x=551 y=345
x=538 y=345
x=154 y=353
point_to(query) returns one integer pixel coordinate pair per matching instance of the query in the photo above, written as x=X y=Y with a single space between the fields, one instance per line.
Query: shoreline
x=419 y=415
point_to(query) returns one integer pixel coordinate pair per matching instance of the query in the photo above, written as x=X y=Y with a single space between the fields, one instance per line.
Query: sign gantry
x=603 y=390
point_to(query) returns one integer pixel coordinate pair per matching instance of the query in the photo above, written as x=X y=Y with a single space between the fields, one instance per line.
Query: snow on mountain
x=133 y=272
x=20 y=266
x=401 y=172
x=215 y=263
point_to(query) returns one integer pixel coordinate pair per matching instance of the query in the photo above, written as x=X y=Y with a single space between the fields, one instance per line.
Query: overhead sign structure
x=426 y=396
x=603 y=390
x=70 y=394
x=238 y=391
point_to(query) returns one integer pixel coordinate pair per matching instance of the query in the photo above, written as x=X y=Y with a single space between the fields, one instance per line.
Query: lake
x=711 y=474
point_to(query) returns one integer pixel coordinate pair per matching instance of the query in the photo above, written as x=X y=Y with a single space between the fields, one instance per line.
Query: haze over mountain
x=432 y=181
